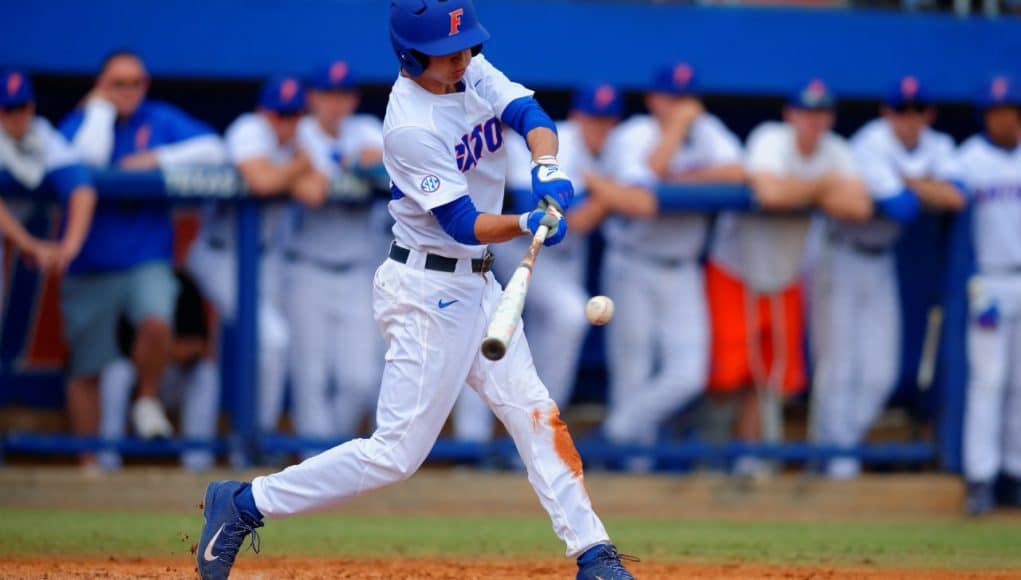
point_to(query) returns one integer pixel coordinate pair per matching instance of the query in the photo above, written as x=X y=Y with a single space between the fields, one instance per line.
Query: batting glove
x=530 y=222
x=551 y=184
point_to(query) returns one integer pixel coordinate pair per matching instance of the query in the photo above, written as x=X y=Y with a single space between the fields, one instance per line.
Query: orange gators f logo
x=455 y=21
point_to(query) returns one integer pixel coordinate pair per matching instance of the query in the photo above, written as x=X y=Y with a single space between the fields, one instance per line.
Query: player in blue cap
x=443 y=150
x=330 y=258
x=35 y=155
x=990 y=163
x=125 y=263
x=906 y=165
x=555 y=307
x=263 y=147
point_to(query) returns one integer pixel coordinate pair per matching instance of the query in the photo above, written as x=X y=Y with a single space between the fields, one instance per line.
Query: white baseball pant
x=333 y=337
x=657 y=345
x=856 y=336
x=432 y=352
x=992 y=423
x=215 y=272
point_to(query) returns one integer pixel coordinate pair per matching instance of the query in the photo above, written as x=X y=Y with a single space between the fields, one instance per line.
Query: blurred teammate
x=443 y=149
x=125 y=264
x=991 y=169
x=555 y=308
x=34 y=154
x=753 y=278
x=330 y=260
x=191 y=383
x=857 y=317
x=263 y=147
x=658 y=344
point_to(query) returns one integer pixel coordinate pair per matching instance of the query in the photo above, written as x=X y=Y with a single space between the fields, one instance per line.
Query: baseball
x=599 y=310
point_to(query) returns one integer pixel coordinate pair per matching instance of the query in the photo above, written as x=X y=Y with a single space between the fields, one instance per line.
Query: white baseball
x=599 y=310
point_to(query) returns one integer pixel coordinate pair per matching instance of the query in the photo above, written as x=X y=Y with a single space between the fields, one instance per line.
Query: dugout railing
x=243 y=443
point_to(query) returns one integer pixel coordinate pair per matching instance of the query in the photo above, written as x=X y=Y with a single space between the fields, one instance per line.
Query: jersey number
x=470 y=149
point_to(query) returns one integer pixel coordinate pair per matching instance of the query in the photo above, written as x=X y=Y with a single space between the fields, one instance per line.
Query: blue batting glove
x=551 y=184
x=531 y=221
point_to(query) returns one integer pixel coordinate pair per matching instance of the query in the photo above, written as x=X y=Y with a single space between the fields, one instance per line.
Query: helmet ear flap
x=413 y=61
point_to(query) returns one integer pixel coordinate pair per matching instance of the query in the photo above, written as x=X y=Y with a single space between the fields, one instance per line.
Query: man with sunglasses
x=906 y=165
x=991 y=169
x=263 y=146
x=125 y=264
x=35 y=155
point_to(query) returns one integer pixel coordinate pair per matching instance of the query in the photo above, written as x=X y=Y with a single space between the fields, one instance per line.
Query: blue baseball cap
x=908 y=92
x=677 y=80
x=598 y=101
x=15 y=90
x=1000 y=91
x=335 y=76
x=283 y=95
x=813 y=95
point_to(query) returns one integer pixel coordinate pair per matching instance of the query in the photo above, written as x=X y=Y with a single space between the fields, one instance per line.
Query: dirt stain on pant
x=563 y=443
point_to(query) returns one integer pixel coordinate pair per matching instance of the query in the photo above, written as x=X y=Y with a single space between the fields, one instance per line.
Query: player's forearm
x=80 y=209
x=12 y=228
x=785 y=193
x=673 y=135
x=846 y=199
x=586 y=216
x=202 y=150
x=94 y=139
x=937 y=194
x=270 y=179
x=494 y=229
x=730 y=173
x=542 y=142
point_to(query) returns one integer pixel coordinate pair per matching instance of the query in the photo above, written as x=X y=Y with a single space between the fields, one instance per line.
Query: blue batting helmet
x=423 y=28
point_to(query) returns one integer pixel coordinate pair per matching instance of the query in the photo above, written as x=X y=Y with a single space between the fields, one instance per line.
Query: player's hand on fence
x=141 y=161
x=310 y=189
x=540 y=216
x=551 y=184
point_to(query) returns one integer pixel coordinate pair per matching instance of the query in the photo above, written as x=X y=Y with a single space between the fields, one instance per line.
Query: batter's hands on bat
x=541 y=217
x=551 y=184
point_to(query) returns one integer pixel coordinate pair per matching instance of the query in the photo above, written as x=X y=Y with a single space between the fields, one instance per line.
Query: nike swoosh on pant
x=208 y=554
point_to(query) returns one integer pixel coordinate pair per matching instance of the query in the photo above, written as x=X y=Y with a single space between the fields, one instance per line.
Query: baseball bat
x=930 y=348
x=508 y=311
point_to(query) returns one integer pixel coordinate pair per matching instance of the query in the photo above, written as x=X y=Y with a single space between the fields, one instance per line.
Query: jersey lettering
x=483 y=137
x=996 y=192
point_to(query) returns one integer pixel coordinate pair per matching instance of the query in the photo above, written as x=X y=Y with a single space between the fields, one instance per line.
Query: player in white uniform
x=555 y=307
x=755 y=266
x=443 y=149
x=262 y=145
x=857 y=320
x=658 y=344
x=991 y=170
x=330 y=259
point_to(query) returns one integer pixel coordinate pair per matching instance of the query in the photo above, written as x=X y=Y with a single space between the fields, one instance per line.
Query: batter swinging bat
x=512 y=302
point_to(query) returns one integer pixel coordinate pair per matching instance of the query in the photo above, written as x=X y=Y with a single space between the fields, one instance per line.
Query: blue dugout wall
x=750 y=51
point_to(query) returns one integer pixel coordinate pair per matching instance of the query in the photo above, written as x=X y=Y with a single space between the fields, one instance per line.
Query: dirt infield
x=259 y=567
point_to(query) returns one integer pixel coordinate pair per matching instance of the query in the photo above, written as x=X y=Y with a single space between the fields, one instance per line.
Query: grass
x=992 y=544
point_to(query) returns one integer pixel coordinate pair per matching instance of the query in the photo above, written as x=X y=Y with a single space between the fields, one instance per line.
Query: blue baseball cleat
x=603 y=562
x=980 y=499
x=224 y=531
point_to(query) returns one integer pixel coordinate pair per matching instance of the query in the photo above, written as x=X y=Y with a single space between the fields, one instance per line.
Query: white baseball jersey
x=993 y=177
x=709 y=144
x=766 y=250
x=251 y=137
x=437 y=148
x=884 y=162
x=336 y=234
x=39 y=152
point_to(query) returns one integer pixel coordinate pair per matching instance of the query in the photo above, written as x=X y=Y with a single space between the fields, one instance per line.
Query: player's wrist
x=523 y=222
x=545 y=160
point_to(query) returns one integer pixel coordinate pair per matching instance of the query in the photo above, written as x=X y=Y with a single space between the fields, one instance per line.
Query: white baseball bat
x=508 y=311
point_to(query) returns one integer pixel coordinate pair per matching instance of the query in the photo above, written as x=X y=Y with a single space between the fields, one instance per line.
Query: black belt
x=860 y=247
x=334 y=267
x=441 y=263
x=220 y=244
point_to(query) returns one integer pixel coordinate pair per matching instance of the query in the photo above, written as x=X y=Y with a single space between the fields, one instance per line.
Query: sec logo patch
x=430 y=183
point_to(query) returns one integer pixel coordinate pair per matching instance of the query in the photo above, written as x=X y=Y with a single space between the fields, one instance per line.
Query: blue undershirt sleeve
x=458 y=219
x=901 y=208
x=68 y=178
x=524 y=114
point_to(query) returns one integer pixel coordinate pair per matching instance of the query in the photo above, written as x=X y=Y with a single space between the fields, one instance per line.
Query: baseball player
x=443 y=149
x=991 y=169
x=33 y=153
x=555 y=307
x=191 y=383
x=755 y=266
x=658 y=344
x=330 y=260
x=263 y=147
x=857 y=323
x=125 y=263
